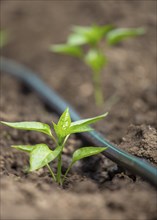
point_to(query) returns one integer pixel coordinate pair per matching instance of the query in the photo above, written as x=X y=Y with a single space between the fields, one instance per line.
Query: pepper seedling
x=93 y=55
x=41 y=155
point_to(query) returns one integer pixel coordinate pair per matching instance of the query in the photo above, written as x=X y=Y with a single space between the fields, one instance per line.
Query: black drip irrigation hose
x=129 y=162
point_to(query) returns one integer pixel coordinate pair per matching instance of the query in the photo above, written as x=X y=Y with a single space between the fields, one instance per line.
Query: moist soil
x=96 y=187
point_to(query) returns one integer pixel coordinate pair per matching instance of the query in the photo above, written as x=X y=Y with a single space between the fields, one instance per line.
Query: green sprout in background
x=93 y=55
x=3 y=38
x=41 y=155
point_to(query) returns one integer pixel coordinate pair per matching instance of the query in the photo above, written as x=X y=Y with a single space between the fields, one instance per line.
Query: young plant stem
x=67 y=171
x=59 y=166
x=59 y=170
x=53 y=176
x=98 y=95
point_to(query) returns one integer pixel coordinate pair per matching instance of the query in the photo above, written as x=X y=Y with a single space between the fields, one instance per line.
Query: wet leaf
x=25 y=148
x=63 y=124
x=86 y=152
x=82 y=125
x=42 y=155
x=31 y=126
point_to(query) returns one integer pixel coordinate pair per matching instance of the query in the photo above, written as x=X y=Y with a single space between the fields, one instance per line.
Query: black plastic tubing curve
x=129 y=162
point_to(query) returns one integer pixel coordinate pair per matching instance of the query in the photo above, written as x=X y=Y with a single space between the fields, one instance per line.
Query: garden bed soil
x=96 y=188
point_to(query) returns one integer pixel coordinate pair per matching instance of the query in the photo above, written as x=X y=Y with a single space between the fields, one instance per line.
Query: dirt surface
x=96 y=188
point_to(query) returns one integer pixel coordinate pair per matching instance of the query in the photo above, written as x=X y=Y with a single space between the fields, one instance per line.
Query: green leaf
x=25 y=148
x=42 y=155
x=82 y=125
x=3 y=38
x=63 y=125
x=86 y=152
x=79 y=129
x=64 y=121
x=81 y=29
x=88 y=35
x=119 y=34
x=31 y=126
x=77 y=39
x=95 y=60
x=67 y=49
x=106 y=29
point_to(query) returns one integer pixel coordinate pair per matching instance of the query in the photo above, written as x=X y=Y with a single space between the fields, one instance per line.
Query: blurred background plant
x=3 y=38
x=85 y=43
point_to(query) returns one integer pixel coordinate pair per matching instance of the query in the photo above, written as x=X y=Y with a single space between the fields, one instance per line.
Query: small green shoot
x=93 y=55
x=3 y=38
x=41 y=155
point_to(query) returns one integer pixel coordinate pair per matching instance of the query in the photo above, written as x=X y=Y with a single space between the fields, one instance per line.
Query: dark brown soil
x=96 y=188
